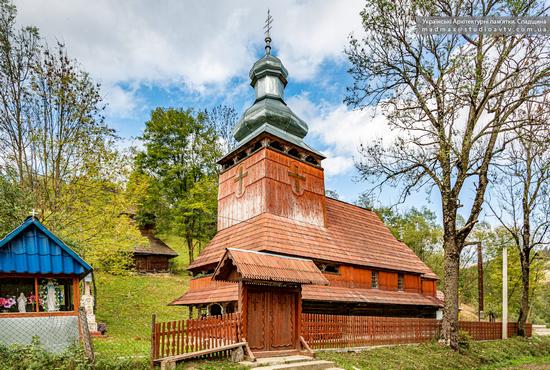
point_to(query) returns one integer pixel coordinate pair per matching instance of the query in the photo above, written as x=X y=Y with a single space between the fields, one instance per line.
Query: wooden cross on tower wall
x=239 y=178
x=298 y=178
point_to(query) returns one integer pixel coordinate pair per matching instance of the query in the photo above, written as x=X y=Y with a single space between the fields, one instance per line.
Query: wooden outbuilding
x=283 y=247
x=154 y=256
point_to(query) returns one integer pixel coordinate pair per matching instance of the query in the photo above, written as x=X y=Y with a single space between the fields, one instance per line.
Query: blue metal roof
x=32 y=249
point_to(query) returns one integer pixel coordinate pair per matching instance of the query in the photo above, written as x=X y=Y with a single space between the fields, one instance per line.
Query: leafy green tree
x=493 y=241
x=179 y=160
x=14 y=205
x=417 y=228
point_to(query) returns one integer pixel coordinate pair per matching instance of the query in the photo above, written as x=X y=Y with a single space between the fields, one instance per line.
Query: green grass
x=126 y=303
x=178 y=244
x=432 y=356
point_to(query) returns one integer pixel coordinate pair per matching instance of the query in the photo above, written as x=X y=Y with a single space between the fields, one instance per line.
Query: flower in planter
x=32 y=299
x=7 y=302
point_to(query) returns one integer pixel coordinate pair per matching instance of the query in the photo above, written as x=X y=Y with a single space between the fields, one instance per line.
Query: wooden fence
x=179 y=337
x=338 y=331
x=482 y=330
x=182 y=337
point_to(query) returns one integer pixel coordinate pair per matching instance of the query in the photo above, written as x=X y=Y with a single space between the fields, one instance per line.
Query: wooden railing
x=173 y=338
x=338 y=331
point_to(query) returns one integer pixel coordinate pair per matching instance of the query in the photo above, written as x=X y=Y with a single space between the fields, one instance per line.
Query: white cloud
x=335 y=165
x=340 y=130
x=191 y=42
x=122 y=102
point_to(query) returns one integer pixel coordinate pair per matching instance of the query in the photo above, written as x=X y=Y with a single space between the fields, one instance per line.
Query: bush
x=33 y=356
x=464 y=340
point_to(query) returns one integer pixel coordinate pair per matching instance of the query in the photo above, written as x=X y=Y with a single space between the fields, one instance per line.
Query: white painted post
x=504 y=292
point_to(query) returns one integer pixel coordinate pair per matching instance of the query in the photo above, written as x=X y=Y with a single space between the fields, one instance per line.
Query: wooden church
x=283 y=247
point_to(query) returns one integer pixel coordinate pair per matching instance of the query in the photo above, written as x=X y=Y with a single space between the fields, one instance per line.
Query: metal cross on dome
x=268 y=22
x=267 y=28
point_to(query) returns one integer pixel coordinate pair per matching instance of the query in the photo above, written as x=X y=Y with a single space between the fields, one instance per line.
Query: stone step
x=280 y=360
x=304 y=365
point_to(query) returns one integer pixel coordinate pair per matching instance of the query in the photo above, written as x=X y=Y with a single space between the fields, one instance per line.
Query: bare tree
x=522 y=192
x=68 y=132
x=18 y=51
x=449 y=100
x=51 y=124
x=223 y=119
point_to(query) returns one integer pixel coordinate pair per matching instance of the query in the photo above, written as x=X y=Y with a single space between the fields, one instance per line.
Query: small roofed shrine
x=39 y=287
x=281 y=242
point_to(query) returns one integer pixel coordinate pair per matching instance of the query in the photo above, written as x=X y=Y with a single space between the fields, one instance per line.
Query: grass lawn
x=510 y=353
x=178 y=244
x=126 y=303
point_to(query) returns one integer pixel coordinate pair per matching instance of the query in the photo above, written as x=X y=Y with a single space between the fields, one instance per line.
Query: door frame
x=273 y=287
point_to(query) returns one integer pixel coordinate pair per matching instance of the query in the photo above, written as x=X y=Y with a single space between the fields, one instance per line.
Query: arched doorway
x=215 y=310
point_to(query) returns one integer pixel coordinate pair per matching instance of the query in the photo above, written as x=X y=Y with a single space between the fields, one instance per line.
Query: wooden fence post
x=85 y=334
x=153 y=339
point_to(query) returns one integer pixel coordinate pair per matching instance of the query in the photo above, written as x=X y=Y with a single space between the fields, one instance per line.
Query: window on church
x=293 y=152
x=375 y=279
x=400 y=283
x=333 y=269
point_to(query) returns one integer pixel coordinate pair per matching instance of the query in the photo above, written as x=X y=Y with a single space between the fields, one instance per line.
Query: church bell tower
x=271 y=170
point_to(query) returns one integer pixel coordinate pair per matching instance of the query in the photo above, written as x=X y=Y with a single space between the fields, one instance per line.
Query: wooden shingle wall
x=267 y=185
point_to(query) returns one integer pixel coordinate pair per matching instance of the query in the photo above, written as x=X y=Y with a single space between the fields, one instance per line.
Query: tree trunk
x=190 y=248
x=450 y=313
x=524 y=306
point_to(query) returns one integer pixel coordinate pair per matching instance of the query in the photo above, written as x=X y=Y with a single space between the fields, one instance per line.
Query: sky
x=197 y=54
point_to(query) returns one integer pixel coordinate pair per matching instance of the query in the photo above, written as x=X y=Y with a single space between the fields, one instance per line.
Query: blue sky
x=198 y=53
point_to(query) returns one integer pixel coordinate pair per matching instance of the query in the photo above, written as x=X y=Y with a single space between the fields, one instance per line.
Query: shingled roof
x=229 y=292
x=353 y=235
x=260 y=266
x=155 y=245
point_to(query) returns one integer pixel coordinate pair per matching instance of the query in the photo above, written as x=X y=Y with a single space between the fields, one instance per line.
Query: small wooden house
x=283 y=248
x=39 y=287
x=154 y=256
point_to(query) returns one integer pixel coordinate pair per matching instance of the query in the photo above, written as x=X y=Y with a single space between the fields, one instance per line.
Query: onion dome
x=269 y=113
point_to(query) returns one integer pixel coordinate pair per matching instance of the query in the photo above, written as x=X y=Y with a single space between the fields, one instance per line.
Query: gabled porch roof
x=247 y=265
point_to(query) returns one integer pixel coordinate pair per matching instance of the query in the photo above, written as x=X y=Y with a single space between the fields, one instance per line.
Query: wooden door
x=272 y=319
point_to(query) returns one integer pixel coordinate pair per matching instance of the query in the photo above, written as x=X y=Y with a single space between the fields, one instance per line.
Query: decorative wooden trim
x=298 y=317
x=76 y=294
x=36 y=297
